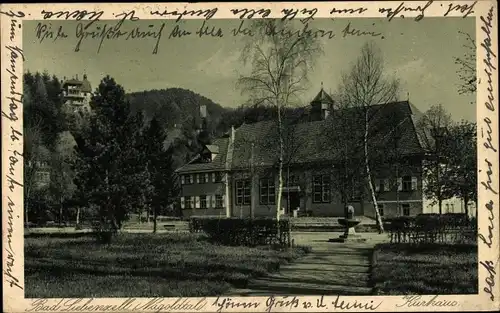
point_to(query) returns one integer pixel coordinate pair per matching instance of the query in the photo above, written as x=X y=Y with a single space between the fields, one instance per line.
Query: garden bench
x=169 y=226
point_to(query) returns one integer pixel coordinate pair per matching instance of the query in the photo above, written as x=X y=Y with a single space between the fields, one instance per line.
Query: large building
x=237 y=175
x=76 y=94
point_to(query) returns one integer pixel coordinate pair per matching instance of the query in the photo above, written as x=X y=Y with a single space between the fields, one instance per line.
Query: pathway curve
x=330 y=269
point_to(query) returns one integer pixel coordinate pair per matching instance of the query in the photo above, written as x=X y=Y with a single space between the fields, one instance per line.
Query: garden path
x=330 y=269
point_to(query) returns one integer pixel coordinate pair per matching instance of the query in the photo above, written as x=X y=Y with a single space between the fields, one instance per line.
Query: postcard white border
x=12 y=217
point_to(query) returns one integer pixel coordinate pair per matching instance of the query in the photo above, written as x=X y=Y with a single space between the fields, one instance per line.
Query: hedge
x=242 y=231
x=432 y=228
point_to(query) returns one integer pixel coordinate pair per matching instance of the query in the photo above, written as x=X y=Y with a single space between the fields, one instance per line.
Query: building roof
x=310 y=142
x=218 y=163
x=322 y=97
x=84 y=84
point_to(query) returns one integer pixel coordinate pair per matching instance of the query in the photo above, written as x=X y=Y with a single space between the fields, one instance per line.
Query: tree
x=281 y=61
x=160 y=167
x=34 y=155
x=467 y=66
x=108 y=167
x=61 y=186
x=434 y=130
x=462 y=156
x=363 y=86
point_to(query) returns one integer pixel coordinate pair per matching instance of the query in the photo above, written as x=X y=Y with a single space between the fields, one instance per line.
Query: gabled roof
x=322 y=97
x=218 y=163
x=84 y=85
x=310 y=142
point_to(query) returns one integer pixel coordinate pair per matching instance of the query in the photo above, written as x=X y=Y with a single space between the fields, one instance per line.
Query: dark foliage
x=242 y=232
x=432 y=228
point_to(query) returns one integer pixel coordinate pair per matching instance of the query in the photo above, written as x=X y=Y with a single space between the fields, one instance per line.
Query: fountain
x=349 y=223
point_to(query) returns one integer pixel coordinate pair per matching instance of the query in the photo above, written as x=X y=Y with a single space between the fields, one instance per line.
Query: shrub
x=431 y=228
x=242 y=231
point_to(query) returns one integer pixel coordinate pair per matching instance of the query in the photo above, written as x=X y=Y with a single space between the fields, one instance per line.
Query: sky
x=420 y=54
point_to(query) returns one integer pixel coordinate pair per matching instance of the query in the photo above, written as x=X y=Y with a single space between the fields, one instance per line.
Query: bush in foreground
x=425 y=269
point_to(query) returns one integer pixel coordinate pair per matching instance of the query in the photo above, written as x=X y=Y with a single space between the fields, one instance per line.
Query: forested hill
x=175 y=107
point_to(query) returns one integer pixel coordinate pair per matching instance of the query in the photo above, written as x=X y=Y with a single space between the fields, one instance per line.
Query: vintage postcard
x=250 y=157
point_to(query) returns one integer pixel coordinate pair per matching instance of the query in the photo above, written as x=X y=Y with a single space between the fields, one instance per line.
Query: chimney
x=76 y=76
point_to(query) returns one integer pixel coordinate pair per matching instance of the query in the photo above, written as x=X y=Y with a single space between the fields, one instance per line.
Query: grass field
x=143 y=265
x=427 y=269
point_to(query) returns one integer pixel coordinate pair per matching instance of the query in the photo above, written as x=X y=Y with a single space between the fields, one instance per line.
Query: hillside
x=178 y=110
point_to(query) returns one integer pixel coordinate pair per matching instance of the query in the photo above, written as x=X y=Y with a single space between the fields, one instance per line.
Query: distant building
x=76 y=94
x=222 y=181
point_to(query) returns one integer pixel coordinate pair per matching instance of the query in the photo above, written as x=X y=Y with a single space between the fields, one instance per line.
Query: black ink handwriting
x=44 y=31
x=491 y=216
x=15 y=97
x=228 y=303
x=346 y=305
x=273 y=303
x=108 y=32
x=490 y=279
x=177 y=32
x=490 y=68
x=207 y=14
x=488 y=182
x=205 y=30
x=93 y=16
x=488 y=144
x=351 y=31
x=13 y=14
x=348 y=11
x=469 y=9
x=417 y=301
x=250 y=13
x=290 y=14
x=401 y=9
x=11 y=279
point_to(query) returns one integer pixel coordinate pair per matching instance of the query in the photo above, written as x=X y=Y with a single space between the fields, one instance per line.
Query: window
x=290 y=181
x=407 y=183
x=219 y=201
x=321 y=189
x=406 y=209
x=381 y=186
x=188 y=202
x=203 y=178
x=243 y=192
x=203 y=202
x=187 y=179
x=381 y=209
x=267 y=191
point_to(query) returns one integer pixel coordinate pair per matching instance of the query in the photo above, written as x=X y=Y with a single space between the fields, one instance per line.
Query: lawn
x=426 y=269
x=143 y=265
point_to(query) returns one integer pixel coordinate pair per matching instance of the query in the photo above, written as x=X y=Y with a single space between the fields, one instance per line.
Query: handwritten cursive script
x=419 y=301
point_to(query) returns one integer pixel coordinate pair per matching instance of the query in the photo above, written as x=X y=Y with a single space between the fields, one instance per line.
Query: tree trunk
x=466 y=205
x=60 y=211
x=280 y=168
x=440 y=205
x=398 y=211
x=78 y=215
x=369 y=176
x=26 y=207
x=154 y=218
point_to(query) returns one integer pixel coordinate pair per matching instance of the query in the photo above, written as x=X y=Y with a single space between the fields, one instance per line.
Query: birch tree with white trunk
x=280 y=60
x=365 y=85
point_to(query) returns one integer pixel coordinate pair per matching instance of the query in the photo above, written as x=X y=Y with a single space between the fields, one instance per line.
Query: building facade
x=76 y=94
x=237 y=175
